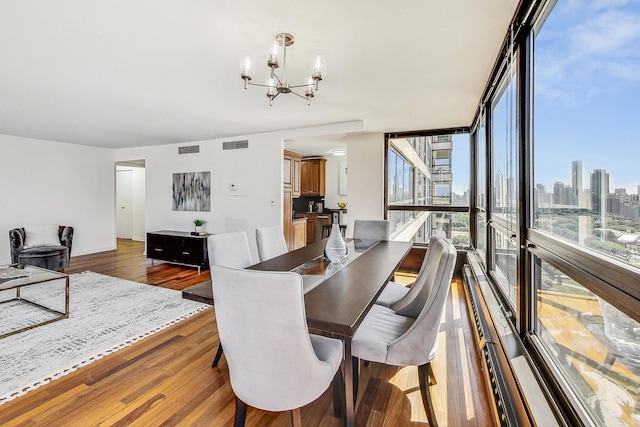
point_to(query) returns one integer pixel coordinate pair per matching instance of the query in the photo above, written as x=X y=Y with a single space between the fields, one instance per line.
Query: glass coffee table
x=14 y=281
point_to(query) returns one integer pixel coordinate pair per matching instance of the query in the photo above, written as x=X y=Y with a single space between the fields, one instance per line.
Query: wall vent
x=189 y=149
x=235 y=145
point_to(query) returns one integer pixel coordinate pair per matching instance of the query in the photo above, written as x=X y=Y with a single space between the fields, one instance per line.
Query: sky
x=587 y=92
x=586 y=96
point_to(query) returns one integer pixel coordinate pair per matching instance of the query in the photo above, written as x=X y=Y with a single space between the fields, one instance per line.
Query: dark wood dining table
x=337 y=297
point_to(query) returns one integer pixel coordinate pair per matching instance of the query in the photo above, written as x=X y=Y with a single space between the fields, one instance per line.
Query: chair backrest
x=263 y=329
x=365 y=229
x=411 y=304
x=622 y=332
x=270 y=242
x=418 y=344
x=230 y=249
x=18 y=239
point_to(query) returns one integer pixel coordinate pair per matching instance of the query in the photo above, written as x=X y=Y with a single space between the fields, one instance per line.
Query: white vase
x=336 y=248
x=198 y=228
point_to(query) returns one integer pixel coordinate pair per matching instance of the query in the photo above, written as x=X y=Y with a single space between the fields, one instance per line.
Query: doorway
x=130 y=200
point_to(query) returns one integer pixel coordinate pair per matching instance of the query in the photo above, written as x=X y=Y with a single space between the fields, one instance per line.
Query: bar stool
x=327 y=228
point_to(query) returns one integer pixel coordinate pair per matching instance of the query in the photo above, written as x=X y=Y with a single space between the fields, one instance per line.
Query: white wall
x=139 y=201
x=366 y=177
x=45 y=182
x=332 y=173
x=255 y=171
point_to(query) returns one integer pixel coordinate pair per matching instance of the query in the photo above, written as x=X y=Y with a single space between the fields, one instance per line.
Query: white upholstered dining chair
x=411 y=339
x=230 y=250
x=371 y=229
x=274 y=363
x=270 y=241
x=398 y=296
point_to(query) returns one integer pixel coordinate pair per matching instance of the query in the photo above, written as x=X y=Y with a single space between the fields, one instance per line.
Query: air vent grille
x=190 y=149
x=235 y=145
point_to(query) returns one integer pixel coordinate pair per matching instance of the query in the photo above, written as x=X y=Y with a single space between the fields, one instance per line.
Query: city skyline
x=586 y=91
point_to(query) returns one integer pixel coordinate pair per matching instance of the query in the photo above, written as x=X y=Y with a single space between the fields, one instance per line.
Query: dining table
x=337 y=295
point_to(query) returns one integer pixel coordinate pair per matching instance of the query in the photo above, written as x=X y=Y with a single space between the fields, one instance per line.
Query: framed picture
x=192 y=191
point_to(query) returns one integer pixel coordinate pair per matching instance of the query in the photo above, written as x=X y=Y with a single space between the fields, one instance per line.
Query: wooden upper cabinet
x=291 y=172
x=312 y=177
x=295 y=177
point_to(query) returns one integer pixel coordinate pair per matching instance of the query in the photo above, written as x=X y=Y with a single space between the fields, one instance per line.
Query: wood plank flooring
x=167 y=379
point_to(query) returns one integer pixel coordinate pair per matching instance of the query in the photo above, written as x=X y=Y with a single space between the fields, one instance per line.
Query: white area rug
x=106 y=314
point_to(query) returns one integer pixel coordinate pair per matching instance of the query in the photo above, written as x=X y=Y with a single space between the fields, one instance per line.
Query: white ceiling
x=123 y=73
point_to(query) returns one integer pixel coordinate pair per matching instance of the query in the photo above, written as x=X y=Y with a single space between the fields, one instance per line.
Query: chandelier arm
x=277 y=78
x=296 y=93
x=261 y=85
x=304 y=85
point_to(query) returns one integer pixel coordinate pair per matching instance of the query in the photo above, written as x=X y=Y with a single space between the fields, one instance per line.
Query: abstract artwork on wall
x=192 y=191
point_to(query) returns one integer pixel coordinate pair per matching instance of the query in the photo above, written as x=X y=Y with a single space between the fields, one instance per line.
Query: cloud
x=585 y=47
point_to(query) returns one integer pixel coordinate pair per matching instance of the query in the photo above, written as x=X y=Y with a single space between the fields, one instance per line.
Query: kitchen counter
x=315 y=221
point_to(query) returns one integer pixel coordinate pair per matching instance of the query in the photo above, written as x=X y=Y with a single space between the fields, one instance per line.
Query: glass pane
x=391 y=176
x=595 y=346
x=481 y=227
x=504 y=258
x=505 y=153
x=418 y=226
x=481 y=165
x=586 y=101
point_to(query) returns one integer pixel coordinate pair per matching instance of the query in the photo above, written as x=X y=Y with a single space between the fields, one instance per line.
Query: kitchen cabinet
x=294 y=234
x=299 y=233
x=315 y=221
x=291 y=172
x=312 y=177
x=178 y=247
x=311 y=226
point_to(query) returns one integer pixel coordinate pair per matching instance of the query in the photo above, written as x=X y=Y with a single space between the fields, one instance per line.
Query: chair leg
x=425 y=374
x=296 y=418
x=241 y=413
x=338 y=395
x=216 y=359
x=356 y=378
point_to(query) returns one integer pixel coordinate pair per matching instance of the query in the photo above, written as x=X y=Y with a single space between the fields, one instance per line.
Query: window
x=434 y=174
x=481 y=189
x=586 y=207
x=505 y=152
x=587 y=185
x=594 y=346
x=559 y=121
x=504 y=184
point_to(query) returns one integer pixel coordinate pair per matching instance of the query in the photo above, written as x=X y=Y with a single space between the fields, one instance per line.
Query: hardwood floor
x=167 y=379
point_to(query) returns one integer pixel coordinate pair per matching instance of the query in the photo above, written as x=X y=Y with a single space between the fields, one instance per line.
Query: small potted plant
x=198 y=223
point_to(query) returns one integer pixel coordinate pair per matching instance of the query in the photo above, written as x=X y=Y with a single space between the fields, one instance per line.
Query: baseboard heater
x=504 y=397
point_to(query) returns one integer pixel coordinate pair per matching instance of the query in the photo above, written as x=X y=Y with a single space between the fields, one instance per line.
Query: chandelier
x=278 y=84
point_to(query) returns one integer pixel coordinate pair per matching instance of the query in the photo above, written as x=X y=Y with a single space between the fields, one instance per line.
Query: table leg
x=348 y=384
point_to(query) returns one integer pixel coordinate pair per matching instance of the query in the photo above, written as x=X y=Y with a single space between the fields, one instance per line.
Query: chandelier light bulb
x=248 y=71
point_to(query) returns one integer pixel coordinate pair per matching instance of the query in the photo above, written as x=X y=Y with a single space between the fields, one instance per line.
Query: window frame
x=429 y=207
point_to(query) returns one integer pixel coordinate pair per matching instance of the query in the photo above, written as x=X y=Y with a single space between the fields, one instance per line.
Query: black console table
x=178 y=247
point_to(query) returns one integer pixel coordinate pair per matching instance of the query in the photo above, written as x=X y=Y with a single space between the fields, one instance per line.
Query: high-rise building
x=562 y=194
x=599 y=190
x=576 y=182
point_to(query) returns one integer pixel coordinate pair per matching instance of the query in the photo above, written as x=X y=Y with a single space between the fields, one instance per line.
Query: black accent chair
x=49 y=257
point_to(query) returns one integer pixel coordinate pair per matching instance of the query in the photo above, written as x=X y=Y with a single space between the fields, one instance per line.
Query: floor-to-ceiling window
x=586 y=204
x=559 y=121
x=504 y=183
x=428 y=186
